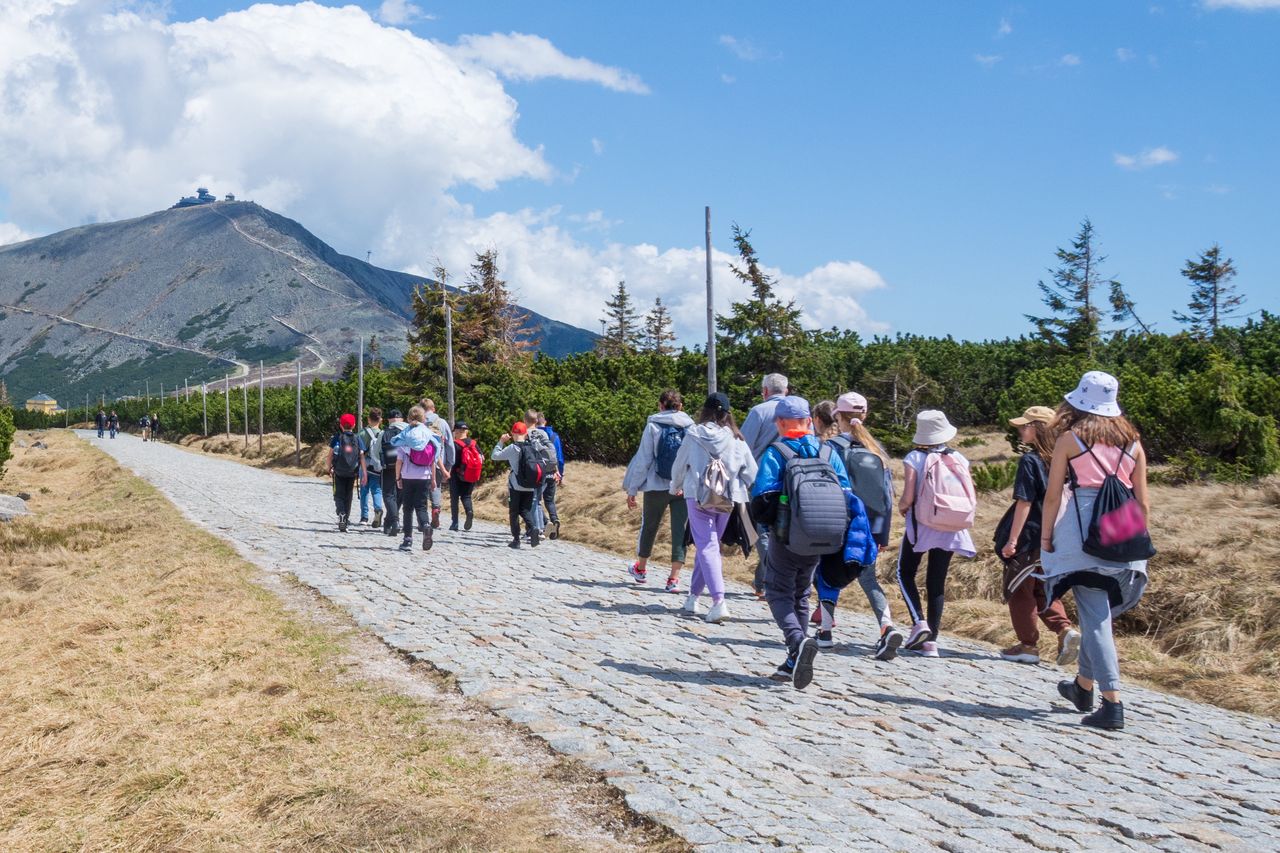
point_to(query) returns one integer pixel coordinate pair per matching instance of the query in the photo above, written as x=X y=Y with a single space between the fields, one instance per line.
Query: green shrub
x=6 y=436
x=994 y=476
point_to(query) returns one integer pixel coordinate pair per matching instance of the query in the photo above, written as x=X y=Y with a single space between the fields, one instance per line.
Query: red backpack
x=470 y=460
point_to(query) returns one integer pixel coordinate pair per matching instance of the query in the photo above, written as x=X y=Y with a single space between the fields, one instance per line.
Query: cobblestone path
x=965 y=753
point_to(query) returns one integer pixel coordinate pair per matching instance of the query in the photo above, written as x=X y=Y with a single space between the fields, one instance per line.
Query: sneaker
x=406 y=544
x=426 y=539
x=1021 y=653
x=638 y=573
x=393 y=530
x=466 y=525
x=920 y=634
x=342 y=524
x=377 y=518
x=673 y=584
x=1068 y=647
x=1076 y=695
x=824 y=640
x=759 y=595
x=555 y=530
x=453 y=528
x=889 y=643
x=929 y=650
x=364 y=522
x=785 y=672
x=1109 y=716
x=690 y=604
x=514 y=543
x=718 y=612
x=802 y=676
x=534 y=538
x=435 y=518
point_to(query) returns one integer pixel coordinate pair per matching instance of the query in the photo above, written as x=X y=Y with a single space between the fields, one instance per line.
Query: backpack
x=542 y=443
x=817 y=507
x=669 y=440
x=1117 y=530
x=471 y=461
x=346 y=462
x=945 y=499
x=529 y=470
x=373 y=456
x=426 y=457
x=385 y=446
x=715 y=486
x=866 y=475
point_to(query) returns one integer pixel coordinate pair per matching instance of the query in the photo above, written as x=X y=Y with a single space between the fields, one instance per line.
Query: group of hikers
x=148 y=425
x=812 y=492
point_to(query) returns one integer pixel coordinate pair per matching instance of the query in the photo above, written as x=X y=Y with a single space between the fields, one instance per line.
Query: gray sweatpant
x=1098 y=660
x=765 y=532
x=787 y=580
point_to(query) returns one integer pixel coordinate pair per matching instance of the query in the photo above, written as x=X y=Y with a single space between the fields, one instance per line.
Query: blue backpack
x=669 y=440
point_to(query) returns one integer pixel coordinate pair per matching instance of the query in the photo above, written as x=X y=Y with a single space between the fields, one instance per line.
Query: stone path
x=966 y=753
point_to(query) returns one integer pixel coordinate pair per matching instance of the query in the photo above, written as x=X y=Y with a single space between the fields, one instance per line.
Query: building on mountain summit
x=202 y=196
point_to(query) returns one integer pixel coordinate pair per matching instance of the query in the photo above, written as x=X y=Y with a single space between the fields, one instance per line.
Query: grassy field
x=155 y=697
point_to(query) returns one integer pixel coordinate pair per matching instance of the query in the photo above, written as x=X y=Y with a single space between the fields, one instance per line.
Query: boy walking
x=527 y=473
x=371 y=438
x=346 y=466
x=390 y=485
x=801 y=493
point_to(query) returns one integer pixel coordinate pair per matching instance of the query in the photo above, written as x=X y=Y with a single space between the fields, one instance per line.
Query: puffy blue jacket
x=859 y=545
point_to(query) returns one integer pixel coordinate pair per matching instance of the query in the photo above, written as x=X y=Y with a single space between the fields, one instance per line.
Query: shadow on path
x=951 y=707
x=690 y=676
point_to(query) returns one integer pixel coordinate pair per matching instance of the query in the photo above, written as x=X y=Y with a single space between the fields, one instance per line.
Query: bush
x=994 y=476
x=6 y=436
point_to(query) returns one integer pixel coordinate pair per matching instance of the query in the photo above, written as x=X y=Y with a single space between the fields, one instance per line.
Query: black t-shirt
x=1032 y=479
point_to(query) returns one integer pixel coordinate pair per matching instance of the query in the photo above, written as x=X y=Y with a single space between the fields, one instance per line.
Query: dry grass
x=156 y=698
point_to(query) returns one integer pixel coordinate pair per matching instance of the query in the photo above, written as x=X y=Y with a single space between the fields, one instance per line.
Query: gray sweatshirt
x=759 y=429
x=642 y=472
x=510 y=454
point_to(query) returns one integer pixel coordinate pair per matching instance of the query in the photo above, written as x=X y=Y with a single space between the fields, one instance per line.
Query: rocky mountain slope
x=196 y=292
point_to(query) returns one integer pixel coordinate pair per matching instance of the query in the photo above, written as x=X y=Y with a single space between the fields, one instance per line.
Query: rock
x=20 y=443
x=41 y=445
x=26 y=496
x=11 y=507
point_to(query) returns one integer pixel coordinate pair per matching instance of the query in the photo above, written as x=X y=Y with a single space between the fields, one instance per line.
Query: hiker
x=527 y=472
x=713 y=471
x=100 y=421
x=155 y=427
x=793 y=465
x=440 y=427
x=650 y=472
x=1100 y=544
x=145 y=423
x=553 y=485
x=871 y=478
x=370 y=438
x=541 y=442
x=759 y=431
x=938 y=502
x=390 y=484
x=346 y=466
x=1017 y=542
x=824 y=420
x=114 y=423
x=469 y=462
x=417 y=449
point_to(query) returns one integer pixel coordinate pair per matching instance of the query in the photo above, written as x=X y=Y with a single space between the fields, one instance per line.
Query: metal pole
x=261 y=382
x=711 y=317
x=226 y=399
x=186 y=390
x=244 y=391
x=148 y=386
x=360 y=385
x=204 y=404
x=448 y=354
x=297 y=420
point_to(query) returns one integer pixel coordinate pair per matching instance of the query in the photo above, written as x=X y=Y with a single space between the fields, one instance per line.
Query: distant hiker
x=346 y=467
x=553 y=486
x=713 y=472
x=145 y=424
x=759 y=431
x=370 y=439
x=114 y=423
x=100 y=421
x=390 y=483
x=1100 y=544
x=527 y=473
x=938 y=502
x=1017 y=542
x=155 y=427
x=440 y=427
x=802 y=491
x=541 y=442
x=417 y=449
x=467 y=468
x=649 y=472
x=867 y=465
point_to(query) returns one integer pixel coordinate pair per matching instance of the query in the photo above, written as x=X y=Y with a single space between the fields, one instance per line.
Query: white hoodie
x=700 y=442
x=642 y=472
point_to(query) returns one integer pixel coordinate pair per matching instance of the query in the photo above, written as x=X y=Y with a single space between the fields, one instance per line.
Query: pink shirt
x=1089 y=474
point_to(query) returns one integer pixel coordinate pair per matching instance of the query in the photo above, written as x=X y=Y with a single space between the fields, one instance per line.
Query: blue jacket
x=859 y=545
x=555 y=442
x=769 y=477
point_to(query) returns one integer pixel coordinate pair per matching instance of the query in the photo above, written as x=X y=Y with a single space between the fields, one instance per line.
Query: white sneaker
x=690 y=603
x=1069 y=647
x=718 y=612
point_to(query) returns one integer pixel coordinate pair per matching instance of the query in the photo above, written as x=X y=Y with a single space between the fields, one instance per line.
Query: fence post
x=297 y=420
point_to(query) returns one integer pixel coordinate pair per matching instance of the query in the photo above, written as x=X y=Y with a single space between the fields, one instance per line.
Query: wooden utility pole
x=297 y=420
x=448 y=354
x=226 y=399
x=711 y=317
x=262 y=379
x=360 y=386
x=244 y=391
x=204 y=405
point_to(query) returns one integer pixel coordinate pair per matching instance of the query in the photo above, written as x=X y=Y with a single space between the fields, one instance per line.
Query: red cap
x=347 y=421
x=518 y=428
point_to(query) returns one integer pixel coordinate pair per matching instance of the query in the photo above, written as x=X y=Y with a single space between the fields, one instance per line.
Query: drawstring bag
x=1118 y=528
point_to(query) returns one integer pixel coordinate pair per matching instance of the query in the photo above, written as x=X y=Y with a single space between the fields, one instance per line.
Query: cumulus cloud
x=1004 y=29
x=399 y=12
x=745 y=49
x=520 y=56
x=1069 y=59
x=986 y=60
x=597 y=146
x=1158 y=156
x=1245 y=5
x=1124 y=54
x=360 y=131
x=10 y=233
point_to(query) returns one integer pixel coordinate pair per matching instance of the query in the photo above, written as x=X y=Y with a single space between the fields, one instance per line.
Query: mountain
x=198 y=292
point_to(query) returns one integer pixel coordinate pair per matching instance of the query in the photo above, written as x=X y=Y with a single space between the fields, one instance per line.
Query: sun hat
x=1042 y=414
x=519 y=428
x=792 y=408
x=932 y=427
x=717 y=402
x=851 y=402
x=1096 y=394
x=347 y=421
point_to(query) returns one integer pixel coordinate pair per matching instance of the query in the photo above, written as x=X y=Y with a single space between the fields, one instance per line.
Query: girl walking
x=938 y=502
x=1096 y=441
x=649 y=475
x=1019 y=545
x=417 y=449
x=714 y=437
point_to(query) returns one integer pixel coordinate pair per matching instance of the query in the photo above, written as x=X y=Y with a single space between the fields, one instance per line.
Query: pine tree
x=375 y=353
x=488 y=327
x=764 y=329
x=621 y=326
x=658 y=333
x=424 y=359
x=1075 y=297
x=1214 y=299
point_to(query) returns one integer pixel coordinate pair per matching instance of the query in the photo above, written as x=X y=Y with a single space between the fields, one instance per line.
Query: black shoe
x=406 y=544
x=1076 y=695
x=785 y=671
x=466 y=525
x=888 y=644
x=803 y=674
x=534 y=538
x=1110 y=716
x=514 y=543
x=555 y=530
x=426 y=539
x=342 y=524
x=453 y=528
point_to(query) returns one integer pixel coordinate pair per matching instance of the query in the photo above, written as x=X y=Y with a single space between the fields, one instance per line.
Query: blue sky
x=946 y=152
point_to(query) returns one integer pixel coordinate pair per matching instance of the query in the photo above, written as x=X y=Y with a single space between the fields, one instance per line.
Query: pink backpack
x=946 y=500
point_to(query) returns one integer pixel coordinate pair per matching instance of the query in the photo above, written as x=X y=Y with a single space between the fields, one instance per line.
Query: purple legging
x=708 y=571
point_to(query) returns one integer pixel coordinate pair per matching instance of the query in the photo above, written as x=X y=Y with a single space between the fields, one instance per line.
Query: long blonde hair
x=862 y=435
x=1095 y=429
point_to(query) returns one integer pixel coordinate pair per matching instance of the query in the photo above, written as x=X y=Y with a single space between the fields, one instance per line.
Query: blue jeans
x=372 y=486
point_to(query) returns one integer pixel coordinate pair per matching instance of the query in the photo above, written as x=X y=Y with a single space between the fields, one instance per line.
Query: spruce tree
x=1075 y=297
x=658 y=333
x=488 y=327
x=424 y=359
x=1214 y=299
x=764 y=332
x=621 y=326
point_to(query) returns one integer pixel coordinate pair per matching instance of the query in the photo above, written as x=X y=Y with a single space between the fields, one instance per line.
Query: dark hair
x=824 y=416
x=671 y=399
x=1041 y=443
x=375 y=414
x=719 y=417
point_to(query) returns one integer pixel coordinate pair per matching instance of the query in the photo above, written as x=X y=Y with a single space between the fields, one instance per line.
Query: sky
x=901 y=168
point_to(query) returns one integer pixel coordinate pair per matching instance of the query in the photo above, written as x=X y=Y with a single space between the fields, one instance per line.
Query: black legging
x=459 y=490
x=390 y=499
x=342 y=487
x=519 y=505
x=414 y=500
x=935 y=582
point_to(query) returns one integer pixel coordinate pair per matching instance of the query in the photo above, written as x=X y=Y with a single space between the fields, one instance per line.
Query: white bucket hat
x=932 y=427
x=1096 y=394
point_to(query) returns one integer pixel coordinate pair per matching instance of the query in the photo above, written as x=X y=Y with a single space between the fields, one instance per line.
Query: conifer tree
x=658 y=334
x=488 y=327
x=1075 y=297
x=764 y=330
x=424 y=359
x=1214 y=299
x=620 y=324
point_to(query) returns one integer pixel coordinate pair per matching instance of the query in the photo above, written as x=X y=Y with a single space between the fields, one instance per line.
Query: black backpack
x=389 y=452
x=818 y=510
x=669 y=440
x=346 y=462
x=1117 y=531
x=529 y=470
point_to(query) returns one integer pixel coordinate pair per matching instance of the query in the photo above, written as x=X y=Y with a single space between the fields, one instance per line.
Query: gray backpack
x=819 y=510
x=866 y=475
x=373 y=449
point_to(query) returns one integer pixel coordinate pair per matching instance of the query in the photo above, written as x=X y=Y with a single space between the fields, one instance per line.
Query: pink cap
x=851 y=402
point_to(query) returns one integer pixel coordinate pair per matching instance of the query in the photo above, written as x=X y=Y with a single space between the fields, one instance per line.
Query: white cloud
x=986 y=60
x=1069 y=59
x=1124 y=54
x=1004 y=29
x=1158 y=156
x=1214 y=189
x=400 y=12
x=597 y=146
x=728 y=79
x=746 y=50
x=1244 y=5
x=520 y=56
x=10 y=233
